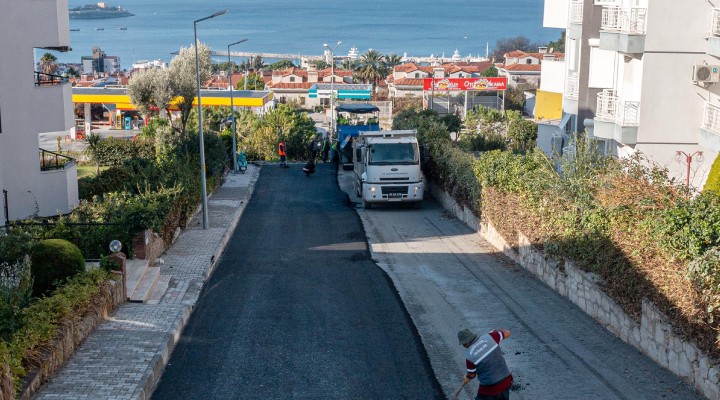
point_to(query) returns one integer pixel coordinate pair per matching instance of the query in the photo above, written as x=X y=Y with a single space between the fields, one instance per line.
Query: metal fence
x=624 y=20
x=51 y=161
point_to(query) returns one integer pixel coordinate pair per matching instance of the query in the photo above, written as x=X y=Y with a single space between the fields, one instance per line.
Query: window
x=292 y=79
x=528 y=61
x=396 y=153
x=417 y=74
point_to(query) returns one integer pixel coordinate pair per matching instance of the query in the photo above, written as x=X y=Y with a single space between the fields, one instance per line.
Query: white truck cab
x=387 y=167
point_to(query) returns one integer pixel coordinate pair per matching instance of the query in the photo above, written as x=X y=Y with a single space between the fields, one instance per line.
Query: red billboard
x=452 y=84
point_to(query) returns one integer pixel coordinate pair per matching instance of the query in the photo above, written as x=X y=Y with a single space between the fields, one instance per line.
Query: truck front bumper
x=385 y=192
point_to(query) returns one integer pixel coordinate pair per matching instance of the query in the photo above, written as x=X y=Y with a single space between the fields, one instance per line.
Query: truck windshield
x=393 y=153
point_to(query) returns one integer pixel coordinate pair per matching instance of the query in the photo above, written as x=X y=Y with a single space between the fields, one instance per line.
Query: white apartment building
x=31 y=102
x=640 y=76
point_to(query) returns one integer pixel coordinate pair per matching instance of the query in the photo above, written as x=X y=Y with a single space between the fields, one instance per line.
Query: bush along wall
x=625 y=222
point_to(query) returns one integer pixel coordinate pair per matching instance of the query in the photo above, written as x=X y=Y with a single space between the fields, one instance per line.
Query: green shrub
x=15 y=295
x=704 y=272
x=112 y=151
x=53 y=262
x=692 y=226
x=113 y=179
x=14 y=247
x=713 y=180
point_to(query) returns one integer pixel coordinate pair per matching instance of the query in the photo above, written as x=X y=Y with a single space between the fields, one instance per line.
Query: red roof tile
x=409 y=82
x=523 y=67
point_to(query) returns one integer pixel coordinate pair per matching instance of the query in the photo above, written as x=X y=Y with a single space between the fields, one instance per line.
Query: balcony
x=623 y=29
x=616 y=118
x=574 y=30
x=714 y=38
x=710 y=129
x=572 y=87
x=52 y=104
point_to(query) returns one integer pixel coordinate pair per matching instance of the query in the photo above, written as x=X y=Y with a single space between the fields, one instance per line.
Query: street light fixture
x=232 y=109
x=332 y=86
x=200 y=123
x=688 y=158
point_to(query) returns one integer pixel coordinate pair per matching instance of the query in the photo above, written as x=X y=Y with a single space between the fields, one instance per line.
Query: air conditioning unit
x=706 y=73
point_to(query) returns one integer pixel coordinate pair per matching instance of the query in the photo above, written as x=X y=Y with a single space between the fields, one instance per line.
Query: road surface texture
x=449 y=279
x=296 y=309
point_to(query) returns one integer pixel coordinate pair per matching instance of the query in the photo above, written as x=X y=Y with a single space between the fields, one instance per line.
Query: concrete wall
x=653 y=335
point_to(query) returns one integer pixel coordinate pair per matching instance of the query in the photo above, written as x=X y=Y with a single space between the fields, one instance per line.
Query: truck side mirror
x=424 y=154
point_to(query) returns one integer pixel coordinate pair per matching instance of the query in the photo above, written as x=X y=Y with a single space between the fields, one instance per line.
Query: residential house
x=293 y=84
x=522 y=67
x=639 y=79
x=33 y=181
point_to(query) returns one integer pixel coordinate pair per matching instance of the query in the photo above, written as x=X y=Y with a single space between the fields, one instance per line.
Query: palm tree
x=370 y=68
x=392 y=61
x=48 y=63
x=348 y=64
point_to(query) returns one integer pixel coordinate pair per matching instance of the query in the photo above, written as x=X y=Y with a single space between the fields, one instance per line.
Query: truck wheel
x=366 y=204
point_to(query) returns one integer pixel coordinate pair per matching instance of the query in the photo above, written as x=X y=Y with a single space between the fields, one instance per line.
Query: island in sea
x=97 y=11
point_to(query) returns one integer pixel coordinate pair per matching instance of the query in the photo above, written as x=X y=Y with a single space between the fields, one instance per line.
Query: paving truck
x=387 y=169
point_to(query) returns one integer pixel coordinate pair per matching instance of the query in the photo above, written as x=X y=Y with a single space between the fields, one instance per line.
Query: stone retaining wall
x=653 y=336
x=71 y=336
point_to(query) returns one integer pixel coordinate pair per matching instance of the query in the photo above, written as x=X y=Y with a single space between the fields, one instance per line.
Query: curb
x=157 y=364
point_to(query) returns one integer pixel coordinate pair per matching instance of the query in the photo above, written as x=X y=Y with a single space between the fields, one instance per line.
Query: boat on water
x=98 y=11
x=75 y=30
x=122 y=29
x=99 y=29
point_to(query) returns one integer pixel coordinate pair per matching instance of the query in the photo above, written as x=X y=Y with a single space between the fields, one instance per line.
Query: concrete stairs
x=145 y=284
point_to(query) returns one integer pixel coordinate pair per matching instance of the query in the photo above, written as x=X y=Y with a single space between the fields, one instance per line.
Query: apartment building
x=640 y=79
x=33 y=181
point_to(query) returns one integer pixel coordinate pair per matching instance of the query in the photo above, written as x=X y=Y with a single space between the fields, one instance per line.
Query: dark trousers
x=502 y=396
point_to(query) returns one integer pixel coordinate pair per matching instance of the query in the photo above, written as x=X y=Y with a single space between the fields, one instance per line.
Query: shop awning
x=358 y=108
x=360 y=91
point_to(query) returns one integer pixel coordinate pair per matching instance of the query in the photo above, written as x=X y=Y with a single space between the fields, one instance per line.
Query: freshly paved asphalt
x=297 y=309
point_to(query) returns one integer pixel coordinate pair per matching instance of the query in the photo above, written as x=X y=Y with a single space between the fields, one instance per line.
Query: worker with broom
x=485 y=360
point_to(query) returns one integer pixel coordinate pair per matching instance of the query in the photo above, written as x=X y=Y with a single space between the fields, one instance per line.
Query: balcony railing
x=607 y=2
x=50 y=161
x=572 y=87
x=624 y=20
x=711 y=118
x=43 y=79
x=610 y=108
x=576 y=12
x=715 y=27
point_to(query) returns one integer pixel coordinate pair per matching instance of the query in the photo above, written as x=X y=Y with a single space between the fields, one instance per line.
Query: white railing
x=624 y=20
x=629 y=113
x=610 y=108
x=606 y=105
x=715 y=27
x=572 y=87
x=607 y=2
x=576 y=12
x=711 y=118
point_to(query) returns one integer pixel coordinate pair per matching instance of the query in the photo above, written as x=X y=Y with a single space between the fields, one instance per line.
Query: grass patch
x=87 y=170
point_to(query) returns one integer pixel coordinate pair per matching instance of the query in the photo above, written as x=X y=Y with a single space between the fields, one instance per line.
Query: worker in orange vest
x=282 y=154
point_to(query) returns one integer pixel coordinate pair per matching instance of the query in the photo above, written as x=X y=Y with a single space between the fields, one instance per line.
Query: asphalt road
x=296 y=308
x=449 y=279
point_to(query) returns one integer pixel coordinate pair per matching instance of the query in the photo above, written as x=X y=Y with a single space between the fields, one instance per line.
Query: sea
x=412 y=27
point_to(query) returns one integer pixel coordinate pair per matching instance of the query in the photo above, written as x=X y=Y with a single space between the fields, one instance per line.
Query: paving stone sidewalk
x=124 y=357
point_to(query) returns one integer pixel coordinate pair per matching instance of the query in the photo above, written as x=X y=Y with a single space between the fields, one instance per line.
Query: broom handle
x=458 y=391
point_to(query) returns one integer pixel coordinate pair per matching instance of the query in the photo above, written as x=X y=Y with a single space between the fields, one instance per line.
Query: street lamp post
x=679 y=155
x=232 y=109
x=200 y=123
x=332 y=87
